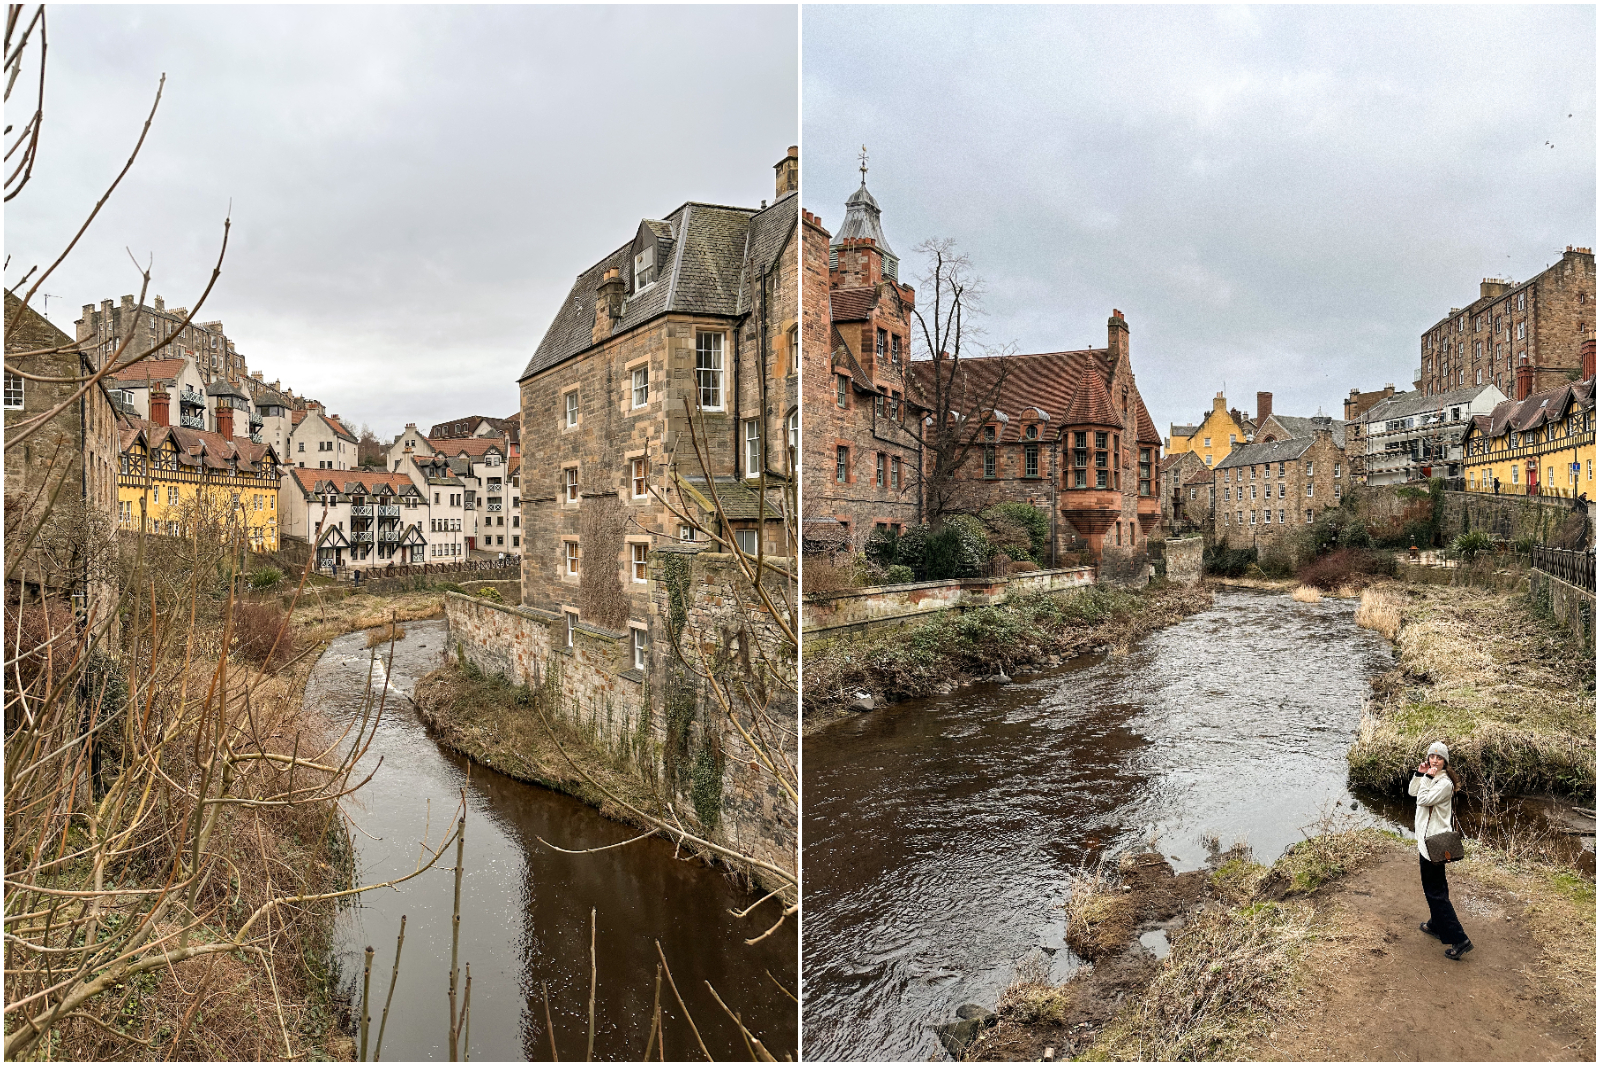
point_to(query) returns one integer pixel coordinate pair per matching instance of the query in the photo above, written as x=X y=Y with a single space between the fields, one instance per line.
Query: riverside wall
x=833 y=614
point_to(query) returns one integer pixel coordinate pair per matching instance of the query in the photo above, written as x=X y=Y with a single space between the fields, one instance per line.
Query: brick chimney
x=1524 y=377
x=1586 y=353
x=1263 y=406
x=160 y=404
x=788 y=169
x=224 y=419
x=1116 y=337
x=607 y=305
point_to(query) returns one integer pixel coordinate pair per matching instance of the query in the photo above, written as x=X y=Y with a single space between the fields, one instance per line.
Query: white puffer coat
x=1433 y=806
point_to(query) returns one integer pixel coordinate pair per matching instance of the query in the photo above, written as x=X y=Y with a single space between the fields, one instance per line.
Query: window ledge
x=632 y=675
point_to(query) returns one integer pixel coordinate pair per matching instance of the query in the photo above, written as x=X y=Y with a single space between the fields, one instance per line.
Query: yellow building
x=1214 y=437
x=1540 y=446
x=173 y=478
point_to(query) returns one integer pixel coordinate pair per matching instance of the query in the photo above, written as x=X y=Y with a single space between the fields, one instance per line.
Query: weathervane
x=863 y=164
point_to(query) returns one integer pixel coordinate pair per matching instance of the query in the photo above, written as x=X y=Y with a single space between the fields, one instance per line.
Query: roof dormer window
x=644 y=269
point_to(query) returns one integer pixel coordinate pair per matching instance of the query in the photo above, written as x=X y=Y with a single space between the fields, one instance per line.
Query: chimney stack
x=161 y=305
x=1586 y=353
x=1220 y=403
x=1489 y=288
x=607 y=305
x=1116 y=337
x=159 y=405
x=1524 y=377
x=224 y=418
x=788 y=169
x=1263 y=406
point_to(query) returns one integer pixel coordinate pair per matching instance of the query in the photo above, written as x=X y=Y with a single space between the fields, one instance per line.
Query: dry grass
x=1305 y=594
x=317 y=620
x=1506 y=690
x=1380 y=610
x=1099 y=914
x=384 y=634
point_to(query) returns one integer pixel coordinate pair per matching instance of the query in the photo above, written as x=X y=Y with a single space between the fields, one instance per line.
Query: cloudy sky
x=1281 y=198
x=413 y=188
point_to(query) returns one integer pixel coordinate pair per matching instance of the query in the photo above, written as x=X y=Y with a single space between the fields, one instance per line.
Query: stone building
x=102 y=331
x=1186 y=493
x=76 y=449
x=1542 y=445
x=1520 y=337
x=478 y=426
x=1266 y=490
x=1213 y=436
x=669 y=373
x=1413 y=436
x=1069 y=434
x=860 y=458
x=1356 y=405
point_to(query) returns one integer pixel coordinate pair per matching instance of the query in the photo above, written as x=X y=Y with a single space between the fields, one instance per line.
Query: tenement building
x=660 y=408
x=1266 y=490
x=1521 y=337
x=1068 y=433
x=104 y=331
x=72 y=457
x=862 y=460
x=1214 y=435
x=1414 y=436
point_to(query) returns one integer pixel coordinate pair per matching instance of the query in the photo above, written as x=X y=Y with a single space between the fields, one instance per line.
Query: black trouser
x=1441 y=915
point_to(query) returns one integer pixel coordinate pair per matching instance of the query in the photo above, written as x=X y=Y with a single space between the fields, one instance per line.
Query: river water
x=525 y=909
x=939 y=834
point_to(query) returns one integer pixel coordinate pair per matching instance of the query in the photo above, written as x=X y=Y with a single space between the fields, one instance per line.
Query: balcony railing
x=361 y=510
x=1575 y=568
x=196 y=420
x=255 y=436
x=361 y=536
x=492 y=507
x=388 y=536
x=186 y=395
x=388 y=510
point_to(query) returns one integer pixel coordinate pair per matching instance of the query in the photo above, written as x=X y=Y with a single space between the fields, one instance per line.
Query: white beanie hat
x=1438 y=748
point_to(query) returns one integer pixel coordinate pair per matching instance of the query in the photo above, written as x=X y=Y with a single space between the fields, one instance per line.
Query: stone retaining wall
x=1544 y=519
x=1573 y=607
x=832 y=614
x=664 y=722
x=1185 y=560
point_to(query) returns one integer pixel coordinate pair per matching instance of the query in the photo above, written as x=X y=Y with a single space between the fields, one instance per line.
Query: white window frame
x=752 y=447
x=644 y=266
x=572 y=627
x=709 y=363
x=569 y=482
x=641 y=387
x=569 y=400
x=639 y=562
x=641 y=648
x=15 y=391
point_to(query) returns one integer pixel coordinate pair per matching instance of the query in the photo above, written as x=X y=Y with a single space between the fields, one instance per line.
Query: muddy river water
x=939 y=834
x=525 y=909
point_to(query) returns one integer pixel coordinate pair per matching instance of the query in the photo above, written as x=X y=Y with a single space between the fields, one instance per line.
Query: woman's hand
x=1424 y=768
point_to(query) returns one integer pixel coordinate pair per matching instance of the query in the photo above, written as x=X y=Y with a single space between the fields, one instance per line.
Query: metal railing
x=361 y=510
x=388 y=510
x=1575 y=568
x=195 y=421
x=388 y=536
x=361 y=536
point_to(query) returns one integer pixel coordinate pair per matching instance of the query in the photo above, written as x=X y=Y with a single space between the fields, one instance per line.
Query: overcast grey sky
x=1283 y=198
x=414 y=188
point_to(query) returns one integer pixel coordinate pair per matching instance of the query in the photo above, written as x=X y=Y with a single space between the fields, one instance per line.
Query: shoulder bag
x=1446 y=846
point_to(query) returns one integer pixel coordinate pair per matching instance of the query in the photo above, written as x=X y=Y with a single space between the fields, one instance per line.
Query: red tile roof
x=163 y=370
x=852 y=305
x=369 y=481
x=195 y=443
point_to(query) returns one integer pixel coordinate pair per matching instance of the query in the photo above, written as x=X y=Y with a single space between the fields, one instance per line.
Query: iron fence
x=1575 y=568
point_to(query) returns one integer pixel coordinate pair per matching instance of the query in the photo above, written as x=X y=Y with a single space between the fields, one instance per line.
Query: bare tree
x=956 y=397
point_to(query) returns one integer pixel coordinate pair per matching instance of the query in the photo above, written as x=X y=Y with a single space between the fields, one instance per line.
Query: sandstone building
x=1186 y=493
x=1069 y=434
x=669 y=373
x=861 y=461
x=103 y=330
x=1520 y=337
x=1266 y=490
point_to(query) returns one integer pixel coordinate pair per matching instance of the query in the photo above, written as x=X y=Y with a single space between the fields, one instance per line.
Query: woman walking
x=1433 y=783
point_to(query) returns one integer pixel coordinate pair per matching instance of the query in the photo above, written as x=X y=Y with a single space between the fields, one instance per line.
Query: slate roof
x=1176 y=430
x=738 y=500
x=464 y=427
x=863 y=218
x=476 y=447
x=1547 y=405
x=713 y=254
x=1405 y=404
x=1200 y=477
x=227 y=388
x=1296 y=426
x=1272 y=451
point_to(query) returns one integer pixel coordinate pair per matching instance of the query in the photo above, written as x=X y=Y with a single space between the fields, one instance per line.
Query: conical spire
x=862 y=218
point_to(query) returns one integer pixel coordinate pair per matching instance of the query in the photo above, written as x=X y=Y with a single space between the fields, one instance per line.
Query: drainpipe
x=1055 y=488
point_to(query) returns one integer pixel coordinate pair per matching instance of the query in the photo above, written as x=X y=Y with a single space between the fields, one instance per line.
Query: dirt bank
x=1022 y=634
x=1315 y=957
x=1508 y=690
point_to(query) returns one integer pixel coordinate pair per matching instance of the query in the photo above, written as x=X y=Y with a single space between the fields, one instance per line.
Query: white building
x=319 y=441
x=1413 y=436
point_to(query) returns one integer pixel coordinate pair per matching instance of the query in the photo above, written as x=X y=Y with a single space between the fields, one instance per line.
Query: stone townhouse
x=861 y=460
x=669 y=371
x=1356 y=405
x=1069 y=434
x=1270 y=489
x=1414 y=436
x=372 y=518
x=1185 y=492
x=171 y=477
x=102 y=330
x=1214 y=435
x=1521 y=337
x=1542 y=445
x=77 y=449
x=319 y=441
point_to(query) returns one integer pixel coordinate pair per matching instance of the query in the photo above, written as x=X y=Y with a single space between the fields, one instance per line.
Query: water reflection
x=939 y=834
x=525 y=910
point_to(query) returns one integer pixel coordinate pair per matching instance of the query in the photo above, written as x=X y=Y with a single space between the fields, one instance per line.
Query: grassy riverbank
x=1509 y=691
x=1022 y=632
x=496 y=723
x=1312 y=957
